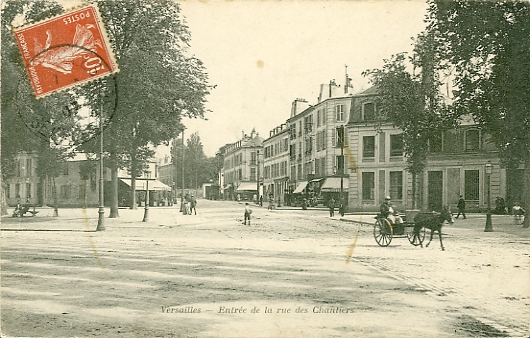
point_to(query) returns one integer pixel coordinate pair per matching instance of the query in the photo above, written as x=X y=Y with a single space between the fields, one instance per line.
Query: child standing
x=248 y=211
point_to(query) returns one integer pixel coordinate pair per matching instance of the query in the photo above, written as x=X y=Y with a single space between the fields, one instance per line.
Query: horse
x=433 y=221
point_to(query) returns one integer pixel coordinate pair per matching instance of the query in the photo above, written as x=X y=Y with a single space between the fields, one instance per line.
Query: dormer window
x=368 y=111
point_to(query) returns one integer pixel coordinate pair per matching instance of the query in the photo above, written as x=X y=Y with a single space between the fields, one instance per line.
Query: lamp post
x=257 y=177
x=101 y=209
x=146 y=208
x=488 y=169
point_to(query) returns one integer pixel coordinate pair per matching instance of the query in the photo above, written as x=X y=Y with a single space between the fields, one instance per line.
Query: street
x=290 y=273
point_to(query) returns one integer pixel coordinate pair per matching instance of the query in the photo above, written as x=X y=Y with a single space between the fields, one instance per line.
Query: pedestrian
x=342 y=207
x=331 y=205
x=261 y=201
x=461 y=205
x=248 y=212
x=518 y=213
x=193 y=205
x=271 y=200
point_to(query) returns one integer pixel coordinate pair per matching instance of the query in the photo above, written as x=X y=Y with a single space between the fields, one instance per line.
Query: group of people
x=188 y=205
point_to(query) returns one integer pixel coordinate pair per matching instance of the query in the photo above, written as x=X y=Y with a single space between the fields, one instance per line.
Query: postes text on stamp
x=65 y=51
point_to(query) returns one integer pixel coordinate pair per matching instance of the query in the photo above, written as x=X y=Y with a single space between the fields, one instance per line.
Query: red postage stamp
x=65 y=51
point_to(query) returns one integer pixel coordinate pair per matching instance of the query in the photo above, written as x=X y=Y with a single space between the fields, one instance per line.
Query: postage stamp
x=66 y=50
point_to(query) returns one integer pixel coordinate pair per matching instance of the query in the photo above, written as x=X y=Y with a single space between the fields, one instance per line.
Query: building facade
x=276 y=165
x=460 y=162
x=243 y=165
x=317 y=160
x=76 y=185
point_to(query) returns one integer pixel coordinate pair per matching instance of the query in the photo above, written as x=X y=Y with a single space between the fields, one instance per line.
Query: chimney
x=298 y=106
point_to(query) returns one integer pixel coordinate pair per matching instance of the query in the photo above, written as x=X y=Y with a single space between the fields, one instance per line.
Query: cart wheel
x=383 y=232
x=416 y=239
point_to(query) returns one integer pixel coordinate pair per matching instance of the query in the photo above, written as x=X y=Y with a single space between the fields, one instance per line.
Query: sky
x=262 y=55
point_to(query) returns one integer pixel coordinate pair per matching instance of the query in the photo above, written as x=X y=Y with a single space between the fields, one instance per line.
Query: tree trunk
x=114 y=189
x=414 y=187
x=526 y=194
x=4 y=201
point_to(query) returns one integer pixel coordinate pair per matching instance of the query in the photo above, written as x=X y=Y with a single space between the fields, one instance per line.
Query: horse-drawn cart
x=413 y=227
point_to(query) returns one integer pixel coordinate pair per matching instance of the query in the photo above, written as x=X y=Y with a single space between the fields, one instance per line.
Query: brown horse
x=433 y=221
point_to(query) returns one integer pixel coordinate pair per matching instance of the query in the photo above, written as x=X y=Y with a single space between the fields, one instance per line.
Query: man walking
x=461 y=207
x=248 y=211
x=193 y=204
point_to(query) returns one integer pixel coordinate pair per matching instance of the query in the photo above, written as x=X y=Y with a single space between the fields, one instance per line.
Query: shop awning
x=301 y=186
x=332 y=184
x=141 y=184
x=229 y=186
x=247 y=186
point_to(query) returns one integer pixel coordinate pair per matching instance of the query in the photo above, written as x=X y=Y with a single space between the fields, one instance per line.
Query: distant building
x=242 y=166
x=276 y=165
x=75 y=186
x=317 y=163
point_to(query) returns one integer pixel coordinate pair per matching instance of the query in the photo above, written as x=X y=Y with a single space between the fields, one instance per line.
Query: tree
x=486 y=43
x=157 y=83
x=411 y=102
x=31 y=125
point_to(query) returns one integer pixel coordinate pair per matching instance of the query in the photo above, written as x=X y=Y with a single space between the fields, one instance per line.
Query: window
x=319 y=117
x=28 y=190
x=17 y=190
x=29 y=167
x=368 y=182
x=339 y=112
x=292 y=131
x=300 y=174
x=340 y=164
x=293 y=173
x=368 y=111
x=471 y=185
x=8 y=190
x=252 y=174
x=300 y=128
x=396 y=145
x=239 y=174
x=472 y=140
x=368 y=147
x=340 y=136
x=253 y=158
x=396 y=185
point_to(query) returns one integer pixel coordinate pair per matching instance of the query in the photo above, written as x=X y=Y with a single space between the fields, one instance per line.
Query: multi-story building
x=243 y=164
x=75 y=186
x=460 y=162
x=276 y=164
x=317 y=163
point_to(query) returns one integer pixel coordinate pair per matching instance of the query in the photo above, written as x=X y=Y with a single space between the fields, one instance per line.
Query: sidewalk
x=86 y=220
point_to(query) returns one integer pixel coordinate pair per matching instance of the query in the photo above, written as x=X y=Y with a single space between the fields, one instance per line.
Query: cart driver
x=387 y=211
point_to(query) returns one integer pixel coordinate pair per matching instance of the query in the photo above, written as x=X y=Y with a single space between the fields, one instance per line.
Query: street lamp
x=146 y=208
x=488 y=169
